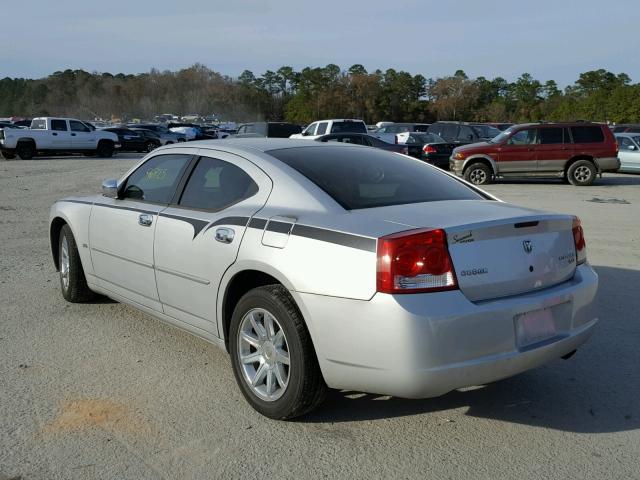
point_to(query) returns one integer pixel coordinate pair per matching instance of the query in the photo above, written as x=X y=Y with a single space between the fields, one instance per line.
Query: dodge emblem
x=528 y=246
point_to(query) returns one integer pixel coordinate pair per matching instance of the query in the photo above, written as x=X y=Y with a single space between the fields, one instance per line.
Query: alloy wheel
x=64 y=263
x=582 y=174
x=263 y=354
x=478 y=176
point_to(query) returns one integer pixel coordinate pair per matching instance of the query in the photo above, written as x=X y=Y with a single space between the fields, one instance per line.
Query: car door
x=518 y=154
x=60 y=135
x=554 y=149
x=82 y=137
x=121 y=230
x=629 y=154
x=197 y=238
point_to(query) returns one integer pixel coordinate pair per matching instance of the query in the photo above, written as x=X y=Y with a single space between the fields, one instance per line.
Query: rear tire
x=304 y=388
x=8 y=156
x=26 y=150
x=582 y=173
x=73 y=283
x=150 y=147
x=478 y=174
x=105 y=150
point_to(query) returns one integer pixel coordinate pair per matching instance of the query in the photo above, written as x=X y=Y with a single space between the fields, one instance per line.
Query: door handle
x=225 y=235
x=145 y=220
x=73 y=134
x=54 y=134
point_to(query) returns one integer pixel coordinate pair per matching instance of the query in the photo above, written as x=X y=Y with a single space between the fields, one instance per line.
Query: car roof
x=252 y=145
x=627 y=134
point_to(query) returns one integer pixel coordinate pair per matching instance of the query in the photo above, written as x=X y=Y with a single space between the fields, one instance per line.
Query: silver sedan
x=331 y=266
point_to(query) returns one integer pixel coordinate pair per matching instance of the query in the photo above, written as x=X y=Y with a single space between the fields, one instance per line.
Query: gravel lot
x=103 y=391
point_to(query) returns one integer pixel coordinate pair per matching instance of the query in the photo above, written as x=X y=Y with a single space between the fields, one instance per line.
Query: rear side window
x=39 y=125
x=550 y=136
x=587 y=134
x=156 y=179
x=366 y=178
x=466 y=134
x=449 y=132
x=59 y=125
x=215 y=184
x=348 y=127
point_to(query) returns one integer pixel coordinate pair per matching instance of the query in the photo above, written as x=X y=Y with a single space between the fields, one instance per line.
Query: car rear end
x=460 y=306
x=459 y=290
x=437 y=154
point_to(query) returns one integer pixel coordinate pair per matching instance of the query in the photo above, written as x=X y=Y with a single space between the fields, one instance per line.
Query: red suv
x=576 y=152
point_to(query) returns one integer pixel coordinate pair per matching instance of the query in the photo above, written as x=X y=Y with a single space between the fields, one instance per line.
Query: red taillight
x=579 y=241
x=415 y=261
x=429 y=149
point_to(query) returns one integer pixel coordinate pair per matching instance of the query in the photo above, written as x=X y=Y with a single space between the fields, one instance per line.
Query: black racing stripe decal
x=258 y=223
x=279 y=227
x=197 y=224
x=339 y=238
x=130 y=209
x=237 y=221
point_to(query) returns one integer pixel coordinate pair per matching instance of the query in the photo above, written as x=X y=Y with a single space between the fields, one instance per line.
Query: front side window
x=365 y=178
x=215 y=185
x=59 y=125
x=322 y=128
x=523 y=137
x=77 y=126
x=624 y=142
x=550 y=136
x=311 y=129
x=156 y=179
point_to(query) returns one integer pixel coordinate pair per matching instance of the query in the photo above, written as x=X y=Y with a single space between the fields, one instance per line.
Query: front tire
x=272 y=355
x=478 y=174
x=582 y=173
x=150 y=147
x=105 y=149
x=8 y=156
x=72 y=280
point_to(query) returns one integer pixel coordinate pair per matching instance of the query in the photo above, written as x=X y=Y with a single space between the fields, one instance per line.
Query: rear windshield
x=348 y=127
x=366 y=178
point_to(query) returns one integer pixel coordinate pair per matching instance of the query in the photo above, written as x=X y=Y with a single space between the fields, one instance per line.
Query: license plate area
x=535 y=326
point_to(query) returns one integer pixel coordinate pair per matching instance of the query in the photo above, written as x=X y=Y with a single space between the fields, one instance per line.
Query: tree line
x=322 y=92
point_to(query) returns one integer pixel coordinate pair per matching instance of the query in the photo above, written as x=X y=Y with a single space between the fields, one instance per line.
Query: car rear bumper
x=424 y=345
x=609 y=164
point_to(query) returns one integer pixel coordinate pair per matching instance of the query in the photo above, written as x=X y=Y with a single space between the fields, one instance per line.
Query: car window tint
x=523 y=137
x=587 y=134
x=421 y=128
x=348 y=126
x=39 y=125
x=449 y=132
x=322 y=128
x=215 y=184
x=156 y=179
x=59 y=125
x=465 y=134
x=283 y=130
x=550 y=135
x=365 y=178
x=77 y=126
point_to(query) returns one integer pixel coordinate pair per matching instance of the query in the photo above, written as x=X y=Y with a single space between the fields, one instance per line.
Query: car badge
x=528 y=246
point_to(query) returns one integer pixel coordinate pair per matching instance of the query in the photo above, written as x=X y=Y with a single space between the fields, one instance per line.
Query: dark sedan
x=428 y=147
x=131 y=141
x=363 y=139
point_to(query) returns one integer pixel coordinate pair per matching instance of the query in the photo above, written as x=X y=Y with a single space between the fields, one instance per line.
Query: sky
x=549 y=39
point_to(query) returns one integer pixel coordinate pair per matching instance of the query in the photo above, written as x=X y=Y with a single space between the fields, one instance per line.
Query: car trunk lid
x=497 y=249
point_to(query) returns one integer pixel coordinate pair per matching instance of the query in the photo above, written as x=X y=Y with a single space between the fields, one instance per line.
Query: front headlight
x=459 y=156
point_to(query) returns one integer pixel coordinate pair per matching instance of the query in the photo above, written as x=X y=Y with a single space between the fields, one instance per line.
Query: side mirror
x=306 y=133
x=631 y=147
x=110 y=188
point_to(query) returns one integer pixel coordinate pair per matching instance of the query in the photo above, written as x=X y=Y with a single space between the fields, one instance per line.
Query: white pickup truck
x=322 y=127
x=56 y=135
